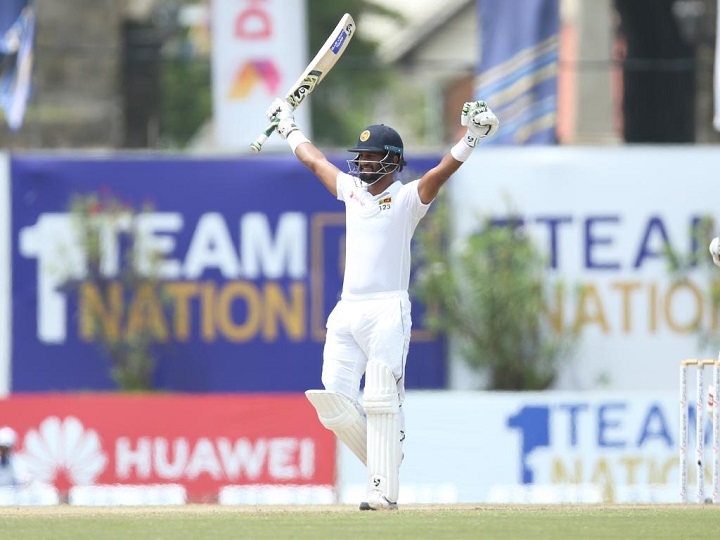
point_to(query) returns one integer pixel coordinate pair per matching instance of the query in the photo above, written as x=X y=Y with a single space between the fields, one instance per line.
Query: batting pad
x=382 y=407
x=338 y=414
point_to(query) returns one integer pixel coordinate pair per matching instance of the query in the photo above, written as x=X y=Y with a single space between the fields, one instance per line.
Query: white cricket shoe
x=378 y=501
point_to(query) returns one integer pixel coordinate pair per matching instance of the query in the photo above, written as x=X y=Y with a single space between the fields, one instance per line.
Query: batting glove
x=715 y=250
x=280 y=113
x=480 y=121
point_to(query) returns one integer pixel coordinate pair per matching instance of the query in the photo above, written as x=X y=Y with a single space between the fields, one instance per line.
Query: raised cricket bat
x=324 y=60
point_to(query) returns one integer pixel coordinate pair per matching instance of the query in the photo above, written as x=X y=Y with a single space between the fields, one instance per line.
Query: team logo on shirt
x=385 y=203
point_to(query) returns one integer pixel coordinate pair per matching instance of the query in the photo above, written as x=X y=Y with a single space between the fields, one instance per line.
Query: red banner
x=201 y=442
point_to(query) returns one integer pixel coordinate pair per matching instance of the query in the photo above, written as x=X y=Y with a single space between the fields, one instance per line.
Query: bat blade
x=325 y=59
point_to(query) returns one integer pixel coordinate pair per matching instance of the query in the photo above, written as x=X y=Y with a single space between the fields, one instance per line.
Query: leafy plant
x=696 y=264
x=118 y=304
x=345 y=101
x=488 y=295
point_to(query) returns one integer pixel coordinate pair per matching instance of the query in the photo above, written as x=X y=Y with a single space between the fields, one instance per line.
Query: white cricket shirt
x=378 y=230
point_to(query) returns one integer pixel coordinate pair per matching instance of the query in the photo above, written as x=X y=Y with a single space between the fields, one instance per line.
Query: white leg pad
x=382 y=406
x=340 y=415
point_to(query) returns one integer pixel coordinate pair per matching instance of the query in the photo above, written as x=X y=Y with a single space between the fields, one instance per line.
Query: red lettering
x=253 y=23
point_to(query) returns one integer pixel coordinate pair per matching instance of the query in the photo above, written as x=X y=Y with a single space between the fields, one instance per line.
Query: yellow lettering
x=682 y=307
x=662 y=476
x=556 y=316
x=239 y=290
x=694 y=322
x=626 y=289
x=631 y=464
x=98 y=319
x=653 y=308
x=207 y=297
x=602 y=475
x=180 y=294
x=237 y=311
x=277 y=308
x=145 y=314
x=560 y=475
x=714 y=303
x=588 y=299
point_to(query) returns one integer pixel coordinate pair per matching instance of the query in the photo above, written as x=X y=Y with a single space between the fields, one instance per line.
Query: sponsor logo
x=614 y=444
x=356 y=196
x=63 y=453
x=339 y=41
x=254 y=73
x=264 y=273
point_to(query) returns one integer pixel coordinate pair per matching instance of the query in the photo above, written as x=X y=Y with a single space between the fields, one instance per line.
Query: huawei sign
x=200 y=442
x=275 y=460
x=64 y=453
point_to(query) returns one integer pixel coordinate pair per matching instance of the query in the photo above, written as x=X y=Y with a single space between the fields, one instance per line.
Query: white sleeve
x=344 y=184
x=417 y=208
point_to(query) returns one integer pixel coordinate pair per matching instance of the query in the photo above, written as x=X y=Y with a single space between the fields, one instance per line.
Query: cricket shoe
x=378 y=501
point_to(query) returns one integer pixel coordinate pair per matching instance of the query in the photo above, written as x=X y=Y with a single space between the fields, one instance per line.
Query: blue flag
x=17 y=32
x=518 y=68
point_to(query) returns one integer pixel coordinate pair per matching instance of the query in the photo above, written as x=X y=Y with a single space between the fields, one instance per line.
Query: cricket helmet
x=378 y=139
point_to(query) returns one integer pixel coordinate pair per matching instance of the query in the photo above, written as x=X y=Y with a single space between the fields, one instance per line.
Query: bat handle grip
x=256 y=145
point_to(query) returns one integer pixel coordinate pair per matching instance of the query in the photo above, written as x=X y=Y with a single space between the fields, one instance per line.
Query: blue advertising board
x=248 y=253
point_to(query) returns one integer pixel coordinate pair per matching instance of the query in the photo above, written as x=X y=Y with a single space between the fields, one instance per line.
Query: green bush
x=488 y=296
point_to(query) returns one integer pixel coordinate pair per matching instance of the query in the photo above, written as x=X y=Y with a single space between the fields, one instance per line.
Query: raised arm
x=481 y=123
x=281 y=113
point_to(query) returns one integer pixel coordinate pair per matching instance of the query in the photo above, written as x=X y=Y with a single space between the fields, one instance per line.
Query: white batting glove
x=280 y=113
x=480 y=121
x=715 y=250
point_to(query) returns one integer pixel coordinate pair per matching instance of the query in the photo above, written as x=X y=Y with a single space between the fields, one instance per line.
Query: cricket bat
x=324 y=60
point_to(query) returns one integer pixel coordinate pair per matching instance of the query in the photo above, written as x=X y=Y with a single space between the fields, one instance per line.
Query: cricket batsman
x=368 y=331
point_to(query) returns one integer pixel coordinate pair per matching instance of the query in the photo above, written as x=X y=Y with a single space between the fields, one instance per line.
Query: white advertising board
x=548 y=447
x=259 y=49
x=603 y=218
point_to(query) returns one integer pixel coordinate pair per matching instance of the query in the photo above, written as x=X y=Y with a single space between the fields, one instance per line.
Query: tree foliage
x=187 y=100
x=343 y=103
x=695 y=267
x=489 y=295
x=126 y=299
x=340 y=107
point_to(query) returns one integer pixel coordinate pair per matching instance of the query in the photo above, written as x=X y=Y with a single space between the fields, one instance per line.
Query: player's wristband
x=461 y=151
x=295 y=138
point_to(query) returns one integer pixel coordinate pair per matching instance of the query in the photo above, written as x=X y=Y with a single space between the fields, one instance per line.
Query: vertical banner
x=259 y=50
x=518 y=68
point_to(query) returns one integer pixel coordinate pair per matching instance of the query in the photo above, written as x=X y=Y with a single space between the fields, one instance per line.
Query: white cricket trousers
x=376 y=327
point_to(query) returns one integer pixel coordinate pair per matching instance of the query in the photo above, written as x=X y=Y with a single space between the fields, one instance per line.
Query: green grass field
x=506 y=522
